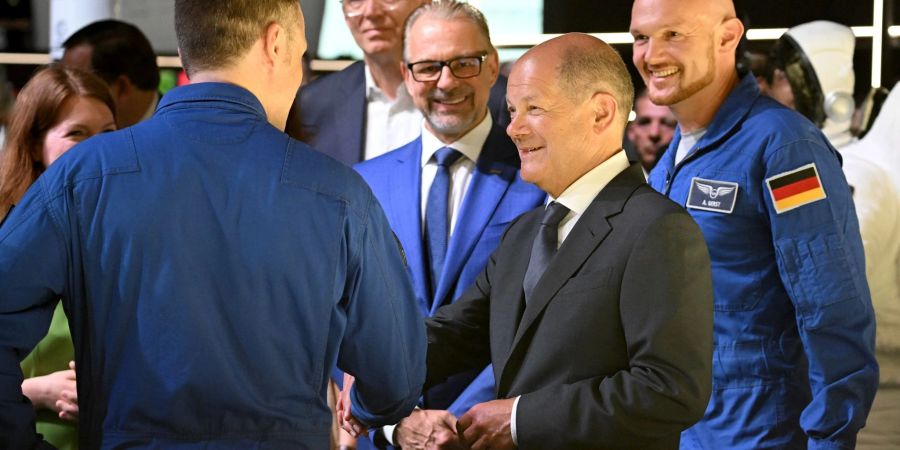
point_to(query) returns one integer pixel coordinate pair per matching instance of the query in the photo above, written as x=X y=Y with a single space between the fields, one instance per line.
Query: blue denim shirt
x=213 y=270
x=793 y=364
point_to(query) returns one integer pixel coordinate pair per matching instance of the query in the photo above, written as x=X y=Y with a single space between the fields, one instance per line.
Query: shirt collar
x=579 y=195
x=227 y=95
x=469 y=145
x=729 y=116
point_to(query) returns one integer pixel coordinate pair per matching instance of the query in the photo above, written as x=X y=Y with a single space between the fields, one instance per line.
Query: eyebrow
x=527 y=98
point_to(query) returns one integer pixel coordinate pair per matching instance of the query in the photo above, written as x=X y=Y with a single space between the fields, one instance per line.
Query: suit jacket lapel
x=506 y=313
x=351 y=112
x=490 y=181
x=405 y=190
x=590 y=231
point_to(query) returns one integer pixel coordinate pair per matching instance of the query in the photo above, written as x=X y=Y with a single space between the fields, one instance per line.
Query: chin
x=528 y=175
x=663 y=98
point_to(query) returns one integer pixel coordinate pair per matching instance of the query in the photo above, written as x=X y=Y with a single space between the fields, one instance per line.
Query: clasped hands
x=56 y=392
x=485 y=426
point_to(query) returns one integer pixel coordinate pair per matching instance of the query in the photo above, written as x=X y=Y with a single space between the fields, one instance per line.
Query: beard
x=684 y=91
x=455 y=124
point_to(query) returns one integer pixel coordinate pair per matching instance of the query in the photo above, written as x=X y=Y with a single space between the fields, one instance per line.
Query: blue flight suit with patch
x=793 y=362
x=213 y=270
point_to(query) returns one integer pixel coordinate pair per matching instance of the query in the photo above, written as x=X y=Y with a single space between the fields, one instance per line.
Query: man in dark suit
x=451 y=66
x=364 y=110
x=596 y=312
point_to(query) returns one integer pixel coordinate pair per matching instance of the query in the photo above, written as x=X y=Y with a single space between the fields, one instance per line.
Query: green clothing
x=53 y=354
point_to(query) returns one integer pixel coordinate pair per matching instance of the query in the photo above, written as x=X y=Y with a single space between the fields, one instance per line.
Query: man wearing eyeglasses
x=365 y=110
x=451 y=192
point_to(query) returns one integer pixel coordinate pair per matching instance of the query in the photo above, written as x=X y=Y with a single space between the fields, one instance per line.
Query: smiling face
x=452 y=106
x=378 y=29
x=552 y=131
x=78 y=119
x=674 y=48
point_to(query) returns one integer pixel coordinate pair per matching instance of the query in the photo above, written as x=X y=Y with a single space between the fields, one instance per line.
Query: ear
x=121 y=87
x=275 y=45
x=408 y=80
x=492 y=63
x=730 y=31
x=605 y=110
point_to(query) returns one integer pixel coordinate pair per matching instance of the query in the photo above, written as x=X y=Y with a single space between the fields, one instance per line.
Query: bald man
x=794 y=325
x=587 y=352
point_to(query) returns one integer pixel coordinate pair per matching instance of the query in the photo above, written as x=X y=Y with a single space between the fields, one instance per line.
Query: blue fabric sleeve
x=384 y=343
x=32 y=277
x=821 y=264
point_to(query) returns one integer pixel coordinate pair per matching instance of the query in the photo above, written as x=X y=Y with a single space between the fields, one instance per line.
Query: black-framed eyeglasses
x=462 y=67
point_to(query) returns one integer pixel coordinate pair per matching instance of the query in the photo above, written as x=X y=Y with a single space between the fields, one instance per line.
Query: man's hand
x=57 y=392
x=427 y=429
x=345 y=419
x=486 y=425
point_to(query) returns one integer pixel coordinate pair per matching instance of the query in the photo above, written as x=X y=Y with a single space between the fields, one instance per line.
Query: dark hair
x=213 y=33
x=34 y=113
x=118 y=48
x=596 y=67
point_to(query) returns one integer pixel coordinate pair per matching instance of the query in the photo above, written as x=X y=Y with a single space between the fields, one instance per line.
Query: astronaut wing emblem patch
x=793 y=189
x=712 y=195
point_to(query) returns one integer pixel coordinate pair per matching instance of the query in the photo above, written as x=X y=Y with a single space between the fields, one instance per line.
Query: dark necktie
x=544 y=247
x=437 y=220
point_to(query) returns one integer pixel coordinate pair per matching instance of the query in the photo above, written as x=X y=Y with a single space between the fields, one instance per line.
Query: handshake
x=486 y=425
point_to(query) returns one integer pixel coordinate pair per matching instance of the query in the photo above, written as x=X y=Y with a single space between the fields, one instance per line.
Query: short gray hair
x=584 y=69
x=448 y=10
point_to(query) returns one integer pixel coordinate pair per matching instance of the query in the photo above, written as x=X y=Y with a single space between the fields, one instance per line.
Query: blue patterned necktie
x=544 y=247
x=437 y=220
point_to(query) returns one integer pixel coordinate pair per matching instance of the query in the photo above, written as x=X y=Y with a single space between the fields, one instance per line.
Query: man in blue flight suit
x=793 y=364
x=213 y=269
x=451 y=66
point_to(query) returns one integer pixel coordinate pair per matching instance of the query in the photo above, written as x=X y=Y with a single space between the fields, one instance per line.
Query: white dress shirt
x=577 y=197
x=460 y=171
x=389 y=123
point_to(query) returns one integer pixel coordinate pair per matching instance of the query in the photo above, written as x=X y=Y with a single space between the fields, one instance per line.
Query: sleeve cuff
x=512 y=421
x=388 y=431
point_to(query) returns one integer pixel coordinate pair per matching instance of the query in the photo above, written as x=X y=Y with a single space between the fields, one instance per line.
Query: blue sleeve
x=480 y=390
x=384 y=345
x=821 y=264
x=32 y=278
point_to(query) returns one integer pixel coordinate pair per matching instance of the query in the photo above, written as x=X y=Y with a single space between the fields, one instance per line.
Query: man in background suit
x=588 y=351
x=119 y=53
x=451 y=66
x=364 y=110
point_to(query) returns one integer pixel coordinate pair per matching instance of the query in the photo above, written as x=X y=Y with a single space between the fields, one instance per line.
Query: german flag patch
x=790 y=190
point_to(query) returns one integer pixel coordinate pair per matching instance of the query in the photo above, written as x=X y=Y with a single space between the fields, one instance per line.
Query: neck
x=605 y=151
x=385 y=69
x=140 y=105
x=274 y=114
x=698 y=110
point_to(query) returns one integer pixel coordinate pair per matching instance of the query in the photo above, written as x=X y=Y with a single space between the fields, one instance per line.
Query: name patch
x=712 y=195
